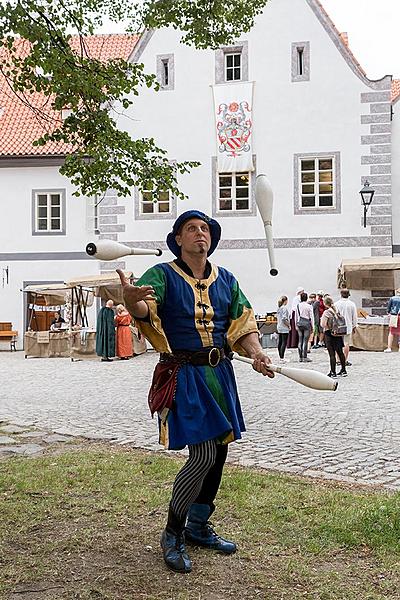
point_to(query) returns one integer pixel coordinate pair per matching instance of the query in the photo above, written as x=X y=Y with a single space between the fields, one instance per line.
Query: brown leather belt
x=208 y=357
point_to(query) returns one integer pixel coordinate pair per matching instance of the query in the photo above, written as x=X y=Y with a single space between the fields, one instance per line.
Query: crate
x=269 y=340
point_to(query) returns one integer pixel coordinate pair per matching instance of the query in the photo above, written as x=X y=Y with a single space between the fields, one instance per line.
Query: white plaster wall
x=16 y=185
x=318 y=116
x=396 y=172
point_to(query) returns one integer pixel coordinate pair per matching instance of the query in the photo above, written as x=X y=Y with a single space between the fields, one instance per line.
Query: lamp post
x=367 y=194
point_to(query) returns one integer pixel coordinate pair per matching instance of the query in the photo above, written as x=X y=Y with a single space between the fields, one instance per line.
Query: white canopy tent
x=371 y=273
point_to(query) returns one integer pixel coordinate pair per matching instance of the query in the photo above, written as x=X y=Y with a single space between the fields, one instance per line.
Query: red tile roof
x=395 y=89
x=20 y=125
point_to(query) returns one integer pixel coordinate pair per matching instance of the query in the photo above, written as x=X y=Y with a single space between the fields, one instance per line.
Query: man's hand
x=260 y=364
x=134 y=296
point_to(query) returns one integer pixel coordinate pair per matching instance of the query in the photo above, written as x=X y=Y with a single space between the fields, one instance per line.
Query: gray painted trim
x=141 y=45
x=172 y=214
x=381 y=252
x=62 y=193
x=243 y=48
x=381 y=84
x=377 y=179
x=7 y=162
x=295 y=62
x=260 y=243
x=385 y=128
x=381 y=169
x=380 y=107
x=377 y=241
x=24 y=256
x=376 y=159
x=368 y=97
x=160 y=58
x=233 y=213
x=369 y=119
x=376 y=139
x=337 y=209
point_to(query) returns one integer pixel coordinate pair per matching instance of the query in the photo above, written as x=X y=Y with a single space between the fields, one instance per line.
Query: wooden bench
x=7 y=334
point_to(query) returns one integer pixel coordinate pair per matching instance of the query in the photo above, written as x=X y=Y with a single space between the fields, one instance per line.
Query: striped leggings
x=199 y=479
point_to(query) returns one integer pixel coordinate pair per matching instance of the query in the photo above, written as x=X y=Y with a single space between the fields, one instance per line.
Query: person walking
x=304 y=318
x=124 y=346
x=105 y=332
x=283 y=326
x=334 y=344
x=348 y=310
x=313 y=340
x=393 y=310
x=293 y=339
x=192 y=311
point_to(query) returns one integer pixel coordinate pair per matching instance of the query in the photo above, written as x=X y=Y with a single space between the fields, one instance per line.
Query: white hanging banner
x=233 y=105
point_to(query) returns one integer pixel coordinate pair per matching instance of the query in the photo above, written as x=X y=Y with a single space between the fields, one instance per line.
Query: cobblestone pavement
x=350 y=435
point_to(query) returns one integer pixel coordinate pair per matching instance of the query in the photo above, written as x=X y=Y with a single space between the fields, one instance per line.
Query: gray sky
x=373 y=28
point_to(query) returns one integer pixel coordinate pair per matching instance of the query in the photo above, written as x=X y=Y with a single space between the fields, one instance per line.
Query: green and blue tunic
x=191 y=314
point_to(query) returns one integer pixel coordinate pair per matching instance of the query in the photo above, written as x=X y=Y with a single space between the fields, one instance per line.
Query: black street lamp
x=367 y=194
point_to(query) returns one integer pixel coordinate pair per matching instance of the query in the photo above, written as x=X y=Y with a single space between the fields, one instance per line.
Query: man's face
x=194 y=237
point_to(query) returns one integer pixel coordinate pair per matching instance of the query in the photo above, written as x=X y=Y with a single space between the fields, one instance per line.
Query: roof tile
x=20 y=125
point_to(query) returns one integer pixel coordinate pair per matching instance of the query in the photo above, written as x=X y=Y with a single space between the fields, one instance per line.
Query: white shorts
x=348 y=339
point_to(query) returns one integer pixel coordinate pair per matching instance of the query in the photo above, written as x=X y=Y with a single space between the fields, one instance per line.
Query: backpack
x=339 y=326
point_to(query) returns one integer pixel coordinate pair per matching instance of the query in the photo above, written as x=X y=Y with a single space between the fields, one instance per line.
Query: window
x=233 y=67
x=165 y=71
x=149 y=205
x=301 y=61
x=231 y=63
x=233 y=191
x=317 y=183
x=48 y=212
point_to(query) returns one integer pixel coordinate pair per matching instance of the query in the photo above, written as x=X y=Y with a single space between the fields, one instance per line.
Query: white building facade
x=318 y=129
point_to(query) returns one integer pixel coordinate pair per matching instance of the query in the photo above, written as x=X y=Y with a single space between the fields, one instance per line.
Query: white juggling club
x=110 y=250
x=308 y=377
x=265 y=201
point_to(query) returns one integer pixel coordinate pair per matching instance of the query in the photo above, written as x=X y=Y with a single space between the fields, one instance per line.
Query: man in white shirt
x=348 y=310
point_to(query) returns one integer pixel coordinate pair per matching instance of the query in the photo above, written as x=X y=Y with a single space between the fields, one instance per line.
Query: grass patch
x=86 y=524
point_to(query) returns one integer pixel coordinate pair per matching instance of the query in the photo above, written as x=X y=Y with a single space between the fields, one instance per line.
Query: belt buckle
x=210 y=357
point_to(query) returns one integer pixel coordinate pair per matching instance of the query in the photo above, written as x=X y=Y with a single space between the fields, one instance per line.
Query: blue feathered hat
x=215 y=230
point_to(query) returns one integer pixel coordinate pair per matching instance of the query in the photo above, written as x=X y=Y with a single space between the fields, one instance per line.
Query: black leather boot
x=199 y=531
x=173 y=545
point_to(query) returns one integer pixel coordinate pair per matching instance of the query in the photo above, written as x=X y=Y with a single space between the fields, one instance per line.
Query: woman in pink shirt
x=304 y=318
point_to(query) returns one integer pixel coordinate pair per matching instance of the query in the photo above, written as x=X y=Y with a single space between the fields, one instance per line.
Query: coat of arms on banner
x=234 y=128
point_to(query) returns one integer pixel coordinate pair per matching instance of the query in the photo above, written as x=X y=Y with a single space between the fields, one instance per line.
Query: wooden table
x=9 y=336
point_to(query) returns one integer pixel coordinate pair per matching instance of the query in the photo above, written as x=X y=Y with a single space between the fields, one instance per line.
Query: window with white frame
x=233 y=192
x=232 y=63
x=233 y=66
x=152 y=204
x=317 y=187
x=48 y=212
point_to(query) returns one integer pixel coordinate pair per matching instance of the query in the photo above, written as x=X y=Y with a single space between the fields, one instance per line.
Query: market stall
x=74 y=339
x=378 y=273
